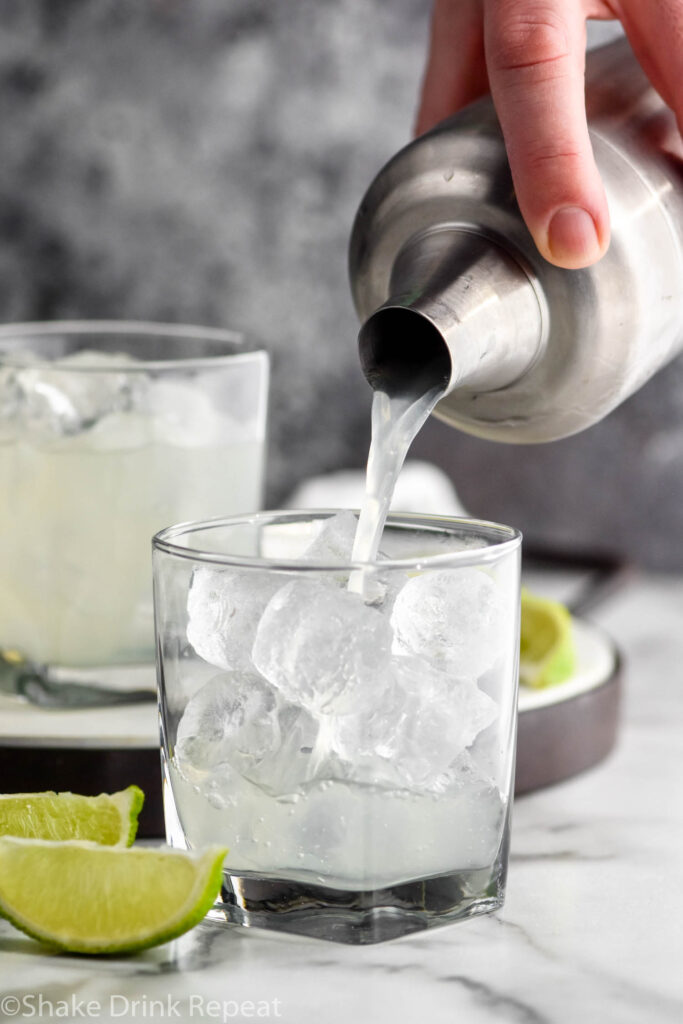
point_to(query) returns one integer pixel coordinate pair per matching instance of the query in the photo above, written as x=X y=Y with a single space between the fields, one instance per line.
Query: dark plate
x=565 y=729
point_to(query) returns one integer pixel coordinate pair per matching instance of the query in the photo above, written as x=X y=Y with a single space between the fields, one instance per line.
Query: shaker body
x=592 y=336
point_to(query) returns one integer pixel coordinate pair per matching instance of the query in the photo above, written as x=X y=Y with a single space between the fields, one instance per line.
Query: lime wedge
x=87 y=898
x=110 y=819
x=547 y=654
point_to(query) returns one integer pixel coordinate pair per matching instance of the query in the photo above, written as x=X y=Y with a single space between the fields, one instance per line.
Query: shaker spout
x=462 y=312
x=400 y=346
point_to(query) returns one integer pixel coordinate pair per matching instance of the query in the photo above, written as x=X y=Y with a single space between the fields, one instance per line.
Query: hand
x=531 y=54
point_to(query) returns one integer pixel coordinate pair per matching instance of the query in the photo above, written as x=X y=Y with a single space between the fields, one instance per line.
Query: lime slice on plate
x=110 y=819
x=86 y=898
x=547 y=654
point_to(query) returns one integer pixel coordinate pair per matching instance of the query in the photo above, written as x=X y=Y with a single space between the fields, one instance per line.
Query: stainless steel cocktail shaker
x=446 y=277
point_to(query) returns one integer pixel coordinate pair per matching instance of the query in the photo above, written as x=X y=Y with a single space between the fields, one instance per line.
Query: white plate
x=23 y=724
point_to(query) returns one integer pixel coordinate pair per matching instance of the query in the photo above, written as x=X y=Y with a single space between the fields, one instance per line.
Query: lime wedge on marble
x=110 y=818
x=547 y=653
x=87 y=898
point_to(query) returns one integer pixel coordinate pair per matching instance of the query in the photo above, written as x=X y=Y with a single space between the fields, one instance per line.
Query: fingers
x=535 y=53
x=456 y=69
x=655 y=31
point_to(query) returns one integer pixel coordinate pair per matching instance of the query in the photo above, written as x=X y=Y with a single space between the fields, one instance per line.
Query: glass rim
x=145 y=328
x=508 y=539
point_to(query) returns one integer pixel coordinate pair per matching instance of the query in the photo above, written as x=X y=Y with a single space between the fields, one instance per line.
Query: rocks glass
x=109 y=431
x=348 y=731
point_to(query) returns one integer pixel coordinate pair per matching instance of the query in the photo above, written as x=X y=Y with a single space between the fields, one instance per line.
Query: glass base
x=358 y=917
x=364 y=917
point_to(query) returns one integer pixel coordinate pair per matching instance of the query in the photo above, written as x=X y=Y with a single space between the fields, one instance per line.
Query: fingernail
x=572 y=236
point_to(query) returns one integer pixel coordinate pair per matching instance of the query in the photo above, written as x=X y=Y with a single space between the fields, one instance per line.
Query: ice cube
x=334 y=540
x=444 y=714
x=239 y=720
x=233 y=718
x=333 y=543
x=186 y=417
x=464 y=774
x=322 y=647
x=119 y=431
x=12 y=398
x=454 y=617
x=298 y=759
x=224 y=608
x=52 y=401
x=373 y=733
x=425 y=721
x=383 y=587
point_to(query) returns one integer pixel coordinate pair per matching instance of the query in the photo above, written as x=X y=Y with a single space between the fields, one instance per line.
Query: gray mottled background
x=202 y=161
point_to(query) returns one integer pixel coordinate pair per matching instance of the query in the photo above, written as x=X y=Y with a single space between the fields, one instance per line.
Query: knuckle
x=527 y=38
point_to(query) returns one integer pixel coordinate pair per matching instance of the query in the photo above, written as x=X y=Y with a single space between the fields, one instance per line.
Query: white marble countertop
x=592 y=930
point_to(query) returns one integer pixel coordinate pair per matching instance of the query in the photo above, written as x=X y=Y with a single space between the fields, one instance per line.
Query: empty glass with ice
x=347 y=730
x=108 y=432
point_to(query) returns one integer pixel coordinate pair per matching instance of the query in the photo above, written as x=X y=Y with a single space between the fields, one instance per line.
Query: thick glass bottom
x=360 y=917
x=363 y=917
